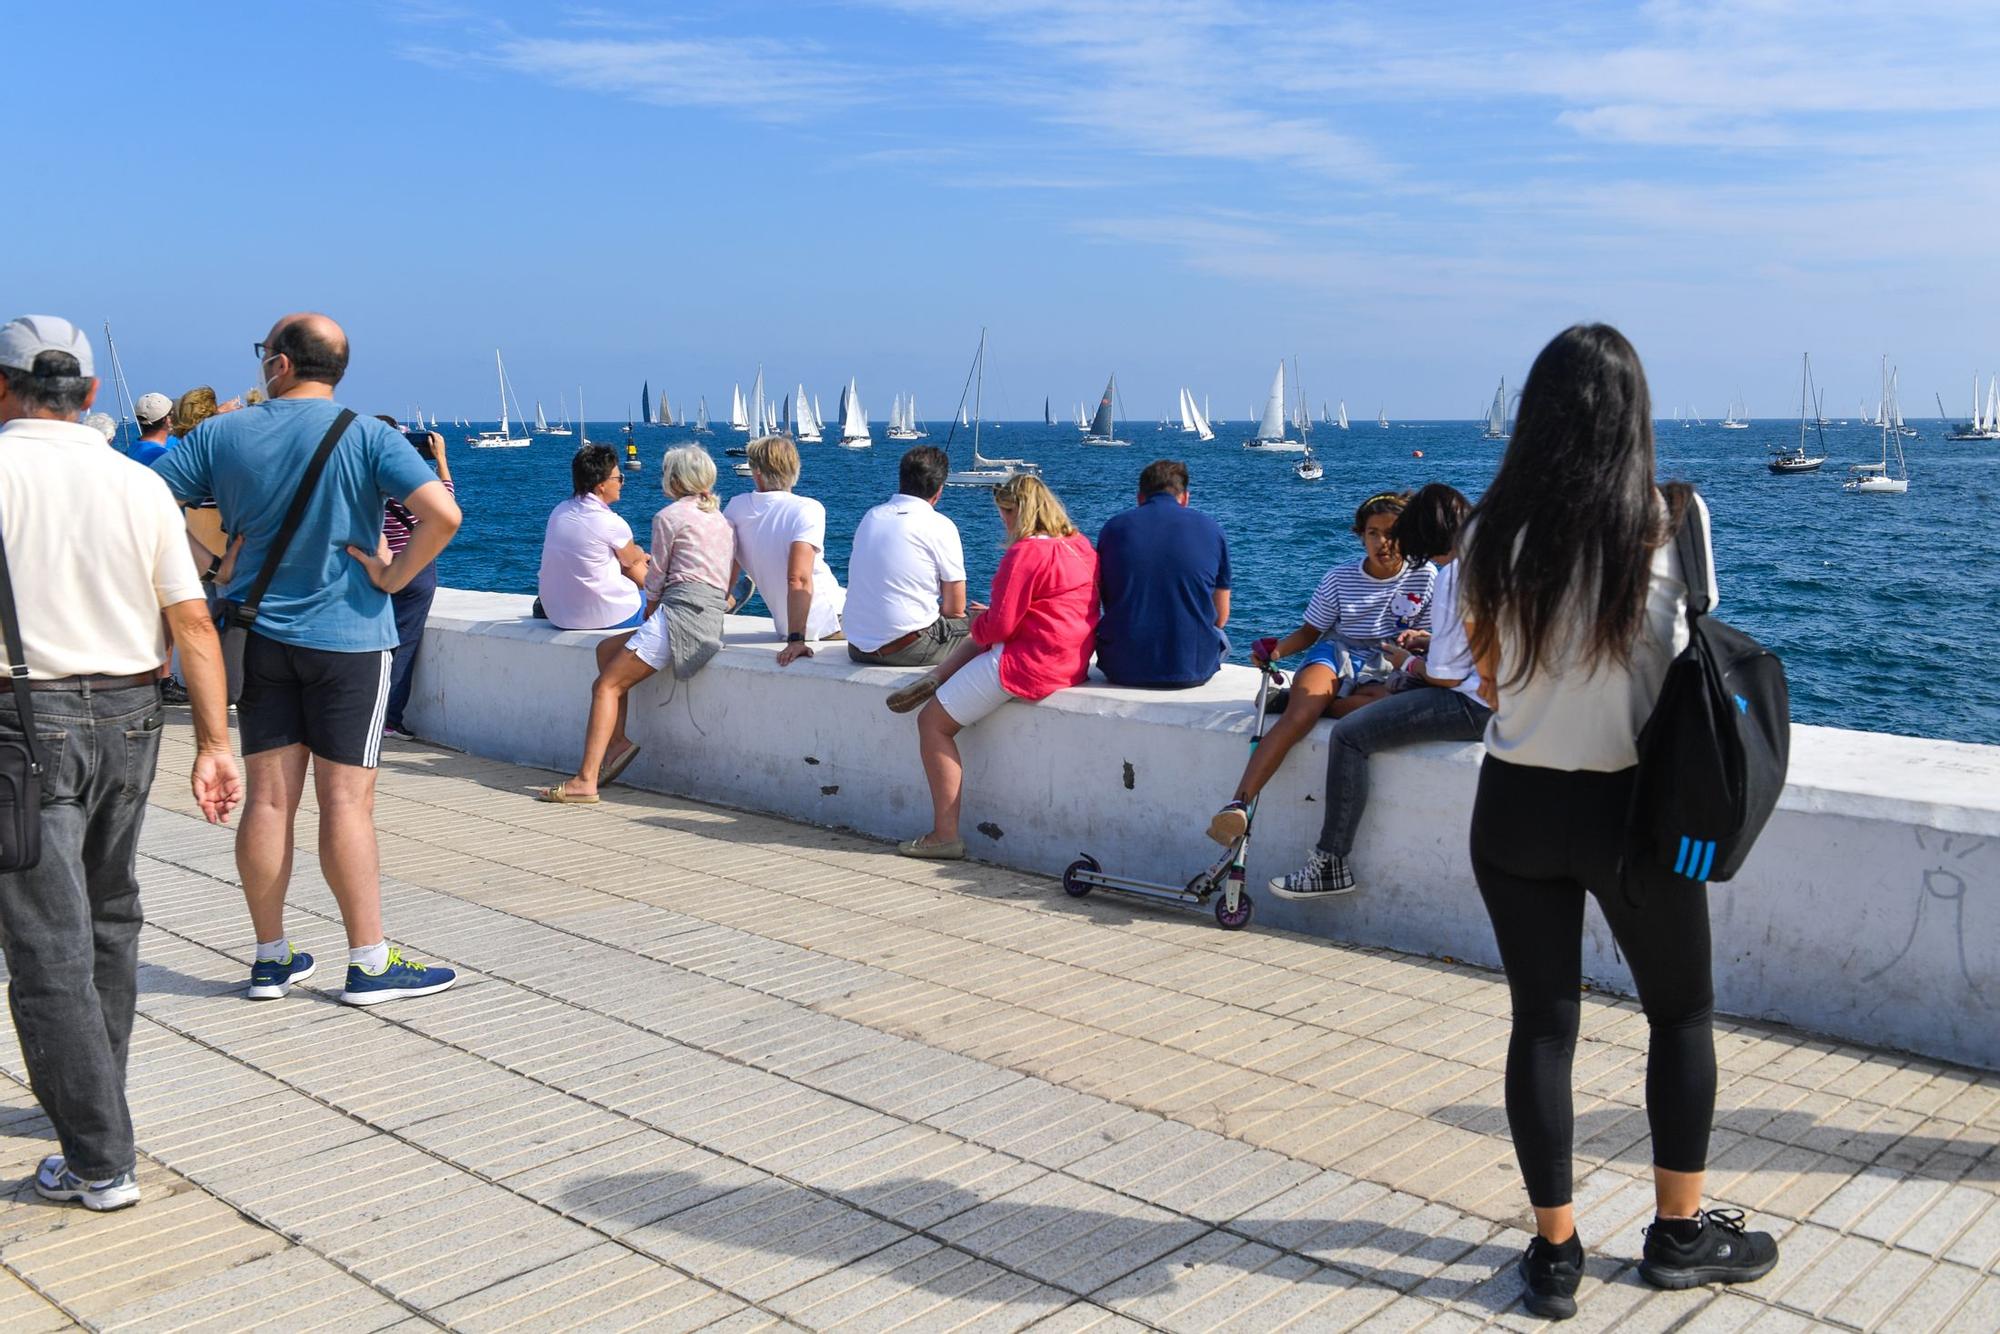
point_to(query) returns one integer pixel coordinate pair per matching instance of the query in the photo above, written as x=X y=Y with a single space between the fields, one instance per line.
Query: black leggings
x=1540 y=839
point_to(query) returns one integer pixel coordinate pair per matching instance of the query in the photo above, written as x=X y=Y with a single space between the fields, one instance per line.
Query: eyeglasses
x=264 y=352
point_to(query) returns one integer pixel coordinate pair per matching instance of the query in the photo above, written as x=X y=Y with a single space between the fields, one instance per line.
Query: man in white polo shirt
x=906 y=576
x=95 y=551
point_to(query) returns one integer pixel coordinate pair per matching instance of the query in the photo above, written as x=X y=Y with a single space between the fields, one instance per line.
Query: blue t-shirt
x=1159 y=566
x=251 y=462
x=146 y=451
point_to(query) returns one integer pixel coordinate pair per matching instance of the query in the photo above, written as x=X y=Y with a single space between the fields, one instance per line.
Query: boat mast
x=125 y=408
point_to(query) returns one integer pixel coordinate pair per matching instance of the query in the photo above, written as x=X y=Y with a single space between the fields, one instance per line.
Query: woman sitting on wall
x=690 y=563
x=592 y=571
x=1034 y=639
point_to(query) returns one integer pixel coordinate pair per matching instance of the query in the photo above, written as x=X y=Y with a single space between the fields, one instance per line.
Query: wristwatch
x=795 y=638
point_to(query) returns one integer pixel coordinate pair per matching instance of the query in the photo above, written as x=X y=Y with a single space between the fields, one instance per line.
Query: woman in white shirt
x=1575 y=603
x=781 y=545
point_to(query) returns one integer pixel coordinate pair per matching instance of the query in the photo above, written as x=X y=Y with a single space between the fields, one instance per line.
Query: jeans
x=932 y=645
x=1428 y=713
x=70 y=926
x=413 y=608
x=1541 y=840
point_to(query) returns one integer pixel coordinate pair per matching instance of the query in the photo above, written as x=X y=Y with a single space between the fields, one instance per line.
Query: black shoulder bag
x=238 y=618
x=20 y=760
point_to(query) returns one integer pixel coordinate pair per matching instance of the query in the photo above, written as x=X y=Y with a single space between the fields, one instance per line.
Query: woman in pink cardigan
x=1035 y=639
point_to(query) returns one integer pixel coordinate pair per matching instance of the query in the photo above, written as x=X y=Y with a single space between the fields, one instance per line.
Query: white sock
x=268 y=950
x=372 y=958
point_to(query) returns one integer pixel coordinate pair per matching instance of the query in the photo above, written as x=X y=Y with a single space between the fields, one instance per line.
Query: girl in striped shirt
x=1358 y=607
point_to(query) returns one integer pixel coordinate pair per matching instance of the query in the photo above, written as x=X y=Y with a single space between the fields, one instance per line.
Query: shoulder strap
x=294 y=516
x=1691 y=542
x=17 y=659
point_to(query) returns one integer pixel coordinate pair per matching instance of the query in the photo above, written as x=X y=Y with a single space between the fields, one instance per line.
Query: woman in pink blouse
x=1034 y=640
x=682 y=629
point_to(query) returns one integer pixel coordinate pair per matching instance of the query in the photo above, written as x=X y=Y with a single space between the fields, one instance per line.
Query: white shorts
x=975 y=690
x=649 y=642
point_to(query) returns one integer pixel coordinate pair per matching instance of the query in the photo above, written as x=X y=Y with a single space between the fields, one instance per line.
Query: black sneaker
x=1323 y=875
x=1552 y=1273
x=173 y=692
x=1711 y=1247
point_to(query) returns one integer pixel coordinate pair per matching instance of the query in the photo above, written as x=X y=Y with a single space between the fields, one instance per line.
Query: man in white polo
x=95 y=554
x=906 y=575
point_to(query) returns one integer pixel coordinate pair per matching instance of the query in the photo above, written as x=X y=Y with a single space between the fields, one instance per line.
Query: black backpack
x=1712 y=756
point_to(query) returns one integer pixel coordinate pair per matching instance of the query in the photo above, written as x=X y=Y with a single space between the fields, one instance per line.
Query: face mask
x=265 y=380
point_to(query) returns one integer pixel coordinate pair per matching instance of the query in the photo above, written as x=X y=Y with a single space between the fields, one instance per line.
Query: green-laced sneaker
x=399 y=978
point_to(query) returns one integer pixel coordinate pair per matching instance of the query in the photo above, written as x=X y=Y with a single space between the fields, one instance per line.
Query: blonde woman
x=683 y=627
x=1035 y=639
x=781 y=545
x=196 y=406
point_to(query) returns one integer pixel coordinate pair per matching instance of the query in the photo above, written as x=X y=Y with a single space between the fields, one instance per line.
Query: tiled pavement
x=710 y=1070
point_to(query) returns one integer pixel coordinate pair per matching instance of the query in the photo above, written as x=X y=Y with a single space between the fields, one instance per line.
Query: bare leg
x=1677 y=1194
x=277 y=779
x=348 y=854
x=936 y=743
x=1556 y=1225
x=607 y=718
x=1312 y=692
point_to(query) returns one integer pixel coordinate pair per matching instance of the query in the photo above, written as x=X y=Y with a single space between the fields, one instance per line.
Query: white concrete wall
x=1870 y=909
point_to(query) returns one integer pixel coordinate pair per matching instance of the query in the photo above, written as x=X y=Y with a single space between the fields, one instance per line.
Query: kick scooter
x=1221 y=883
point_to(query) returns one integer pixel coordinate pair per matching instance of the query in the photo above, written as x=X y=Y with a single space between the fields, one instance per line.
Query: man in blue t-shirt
x=156 y=417
x=316 y=663
x=1163 y=572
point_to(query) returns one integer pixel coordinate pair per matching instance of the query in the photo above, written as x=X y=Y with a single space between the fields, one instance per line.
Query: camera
x=422 y=440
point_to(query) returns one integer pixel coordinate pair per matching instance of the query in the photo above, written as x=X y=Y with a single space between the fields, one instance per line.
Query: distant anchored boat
x=504 y=438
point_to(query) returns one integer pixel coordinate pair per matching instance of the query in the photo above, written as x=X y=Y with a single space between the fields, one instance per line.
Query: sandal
x=562 y=796
x=914 y=694
x=607 y=774
x=953 y=851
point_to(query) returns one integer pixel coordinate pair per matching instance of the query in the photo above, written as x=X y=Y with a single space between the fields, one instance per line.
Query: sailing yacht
x=1983 y=425
x=542 y=426
x=1342 y=421
x=1876 y=478
x=1798 y=458
x=1733 y=422
x=1496 y=415
x=808 y=420
x=1048 y=417
x=701 y=426
x=1306 y=469
x=853 y=421
x=903 y=419
x=1102 y=430
x=503 y=438
x=1382 y=418
x=1271 y=427
x=1082 y=422
x=984 y=471
x=739 y=418
x=1192 y=421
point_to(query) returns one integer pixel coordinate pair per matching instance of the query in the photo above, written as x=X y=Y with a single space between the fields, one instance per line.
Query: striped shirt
x=1359 y=607
x=397 y=523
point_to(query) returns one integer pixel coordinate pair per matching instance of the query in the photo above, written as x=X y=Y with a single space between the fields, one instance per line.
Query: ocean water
x=1886 y=609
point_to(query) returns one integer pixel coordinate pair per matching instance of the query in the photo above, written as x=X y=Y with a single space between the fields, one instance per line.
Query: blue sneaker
x=399 y=977
x=54 y=1181
x=272 y=978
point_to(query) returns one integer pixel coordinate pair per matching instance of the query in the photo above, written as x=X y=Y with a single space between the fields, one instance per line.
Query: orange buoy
x=1416 y=453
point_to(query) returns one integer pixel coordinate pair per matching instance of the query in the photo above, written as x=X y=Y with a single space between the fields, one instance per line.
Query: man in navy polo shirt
x=1163 y=573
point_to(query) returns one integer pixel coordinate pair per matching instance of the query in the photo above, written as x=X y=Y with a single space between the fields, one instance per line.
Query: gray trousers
x=70 y=926
x=931 y=646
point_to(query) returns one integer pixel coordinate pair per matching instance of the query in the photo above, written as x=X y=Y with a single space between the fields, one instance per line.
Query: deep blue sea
x=1886 y=609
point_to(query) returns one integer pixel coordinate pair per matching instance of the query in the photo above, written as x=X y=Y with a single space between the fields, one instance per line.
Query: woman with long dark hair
x=1575 y=603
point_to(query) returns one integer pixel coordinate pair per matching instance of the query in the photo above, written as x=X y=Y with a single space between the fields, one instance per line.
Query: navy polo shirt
x=1158 y=568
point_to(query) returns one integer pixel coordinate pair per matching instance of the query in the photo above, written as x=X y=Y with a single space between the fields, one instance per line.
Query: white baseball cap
x=22 y=340
x=153 y=407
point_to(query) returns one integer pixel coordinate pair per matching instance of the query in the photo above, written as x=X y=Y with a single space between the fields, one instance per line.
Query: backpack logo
x=1742 y=704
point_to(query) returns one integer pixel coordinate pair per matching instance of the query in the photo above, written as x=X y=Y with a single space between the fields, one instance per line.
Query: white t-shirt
x=1450 y=656
x=903 y=550
x=1568 y=716
x=96 y=548
x=581 y=584
x=766 y=525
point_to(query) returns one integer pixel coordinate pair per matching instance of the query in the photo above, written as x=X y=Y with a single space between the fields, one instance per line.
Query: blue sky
x=1410 y=198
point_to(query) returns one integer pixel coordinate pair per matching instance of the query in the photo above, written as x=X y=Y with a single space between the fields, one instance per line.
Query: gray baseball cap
x=22 y=340
x=153 y=407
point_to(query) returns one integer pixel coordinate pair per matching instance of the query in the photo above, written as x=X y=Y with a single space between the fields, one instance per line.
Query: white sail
x=1272 y=427
x=961 y=416
x=738 y=418
x=541 y=422
x=853 y=421
x=1187 y=411
x=1343 y=414
x=808 y=419
x=1382 y=418
x=504 y=437
x=757 y=403
x=1201 y=427
x=1496 y=416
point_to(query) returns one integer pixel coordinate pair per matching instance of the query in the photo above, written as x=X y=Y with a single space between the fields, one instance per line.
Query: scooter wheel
x=1234 y=921
x=1073 y=883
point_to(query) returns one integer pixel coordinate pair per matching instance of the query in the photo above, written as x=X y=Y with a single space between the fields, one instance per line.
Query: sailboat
x=853 y=421
x=1341 y=422
x=645 y=402
x=1496 y=416
x=1382 y=418
x=1271 y=427
x=1797 y=458
x=984 y=471
x=1306 y=469
x=1876 y=478
x=903 y=419
x=560 y=428
x=1048 y=417
x=701 y=417
x=1082 y=422
x=808 y=419
x=739 y=419
x=503 y=438
x=1192 y=422
x=582 y=430
x=1733 y=422
x=1983 y=425
x=1102 y=430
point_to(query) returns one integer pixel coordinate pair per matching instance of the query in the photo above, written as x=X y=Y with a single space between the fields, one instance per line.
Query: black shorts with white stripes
x=331 y=703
